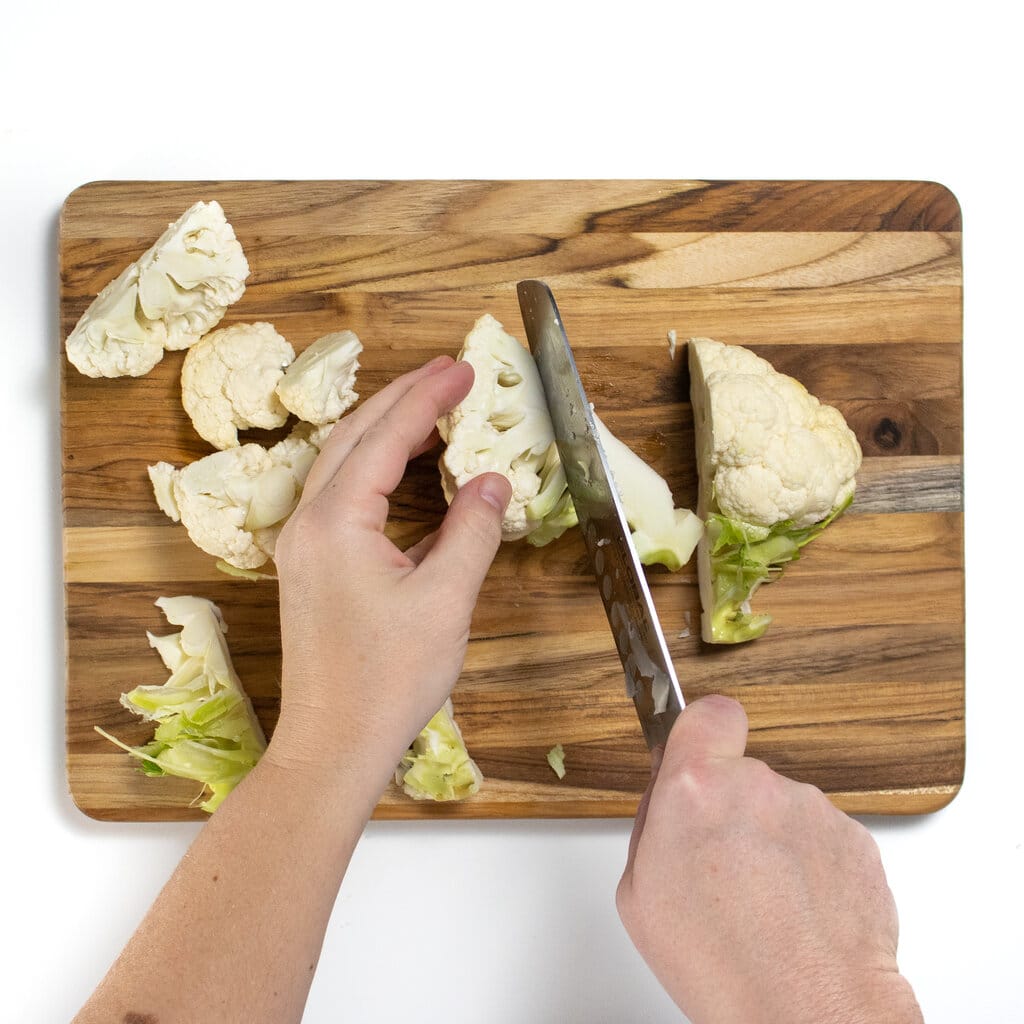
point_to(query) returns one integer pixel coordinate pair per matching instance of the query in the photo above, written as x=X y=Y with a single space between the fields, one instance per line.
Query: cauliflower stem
x=744 y=556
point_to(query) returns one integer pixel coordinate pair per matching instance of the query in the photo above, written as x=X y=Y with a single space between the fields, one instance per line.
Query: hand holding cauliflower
x=174 y=293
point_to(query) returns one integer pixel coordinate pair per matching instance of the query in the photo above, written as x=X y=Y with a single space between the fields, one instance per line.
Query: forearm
x=236 y=933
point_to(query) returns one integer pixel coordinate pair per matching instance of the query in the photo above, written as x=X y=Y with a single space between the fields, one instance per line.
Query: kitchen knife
x=650 y=677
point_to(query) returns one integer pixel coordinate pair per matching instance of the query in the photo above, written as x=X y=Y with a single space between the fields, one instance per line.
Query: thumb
x=468 y=538
x=713 y=726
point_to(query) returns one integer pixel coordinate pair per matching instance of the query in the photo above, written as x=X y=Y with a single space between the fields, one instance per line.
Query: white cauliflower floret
x=228 y=382
x=318 y=386
x=235 y=502
x=775 y=452
x=501 y=426
x=175 y=292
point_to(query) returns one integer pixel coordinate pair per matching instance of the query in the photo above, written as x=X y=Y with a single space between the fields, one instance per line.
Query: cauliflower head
x=776 y=467
x=175 y=292
x=319 y=386
x=235 y=502
x=503 y=426
x=228 y=382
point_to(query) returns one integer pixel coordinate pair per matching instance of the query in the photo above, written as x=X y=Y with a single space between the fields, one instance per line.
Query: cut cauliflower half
x=503 y=426
x=175 y=292
x=776 y=466
x=319 y=386
x=235 y=502
x=228 y=382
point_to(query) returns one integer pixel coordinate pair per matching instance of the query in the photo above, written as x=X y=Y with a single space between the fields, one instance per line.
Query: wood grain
x=853 y=287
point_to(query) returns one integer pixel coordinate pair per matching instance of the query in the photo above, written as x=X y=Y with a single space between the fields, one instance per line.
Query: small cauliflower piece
x=175 y=292
x=228 y=382
x=556 y=759
x=206 y=728
x=503 y=426
x=235 y=502
x=318 y=386
x=438 y=766
x=776 y=467
x=662 y=534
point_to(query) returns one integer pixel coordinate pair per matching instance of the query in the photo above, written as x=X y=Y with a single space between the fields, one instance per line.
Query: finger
x=418 y=551
x=349 y=431
x=469 y=536
x=713 y=726
x=426 y=444
x=657 y=754
x=376 y=465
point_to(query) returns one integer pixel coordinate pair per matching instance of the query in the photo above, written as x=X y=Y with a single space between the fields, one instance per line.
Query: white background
x=514 y=921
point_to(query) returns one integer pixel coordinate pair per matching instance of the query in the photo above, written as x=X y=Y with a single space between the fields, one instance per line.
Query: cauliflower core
x=318 y=386
x=234 y=503
x=175 y=292
x=228 y=382
x=776 y=467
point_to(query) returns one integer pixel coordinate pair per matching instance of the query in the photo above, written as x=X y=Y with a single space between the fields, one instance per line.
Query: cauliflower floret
x=501 y=426
x=773 y=451
x=235 y=502
x=176 y=291
x=318 y=386
x=228 y=382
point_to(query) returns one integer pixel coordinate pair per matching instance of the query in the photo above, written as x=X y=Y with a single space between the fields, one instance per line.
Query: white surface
x=530 y=933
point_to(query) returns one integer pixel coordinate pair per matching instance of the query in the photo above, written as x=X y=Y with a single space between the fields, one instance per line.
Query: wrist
x=337 y=766
x=882 y=997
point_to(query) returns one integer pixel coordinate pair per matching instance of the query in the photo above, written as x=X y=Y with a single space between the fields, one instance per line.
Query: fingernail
x=496 y=491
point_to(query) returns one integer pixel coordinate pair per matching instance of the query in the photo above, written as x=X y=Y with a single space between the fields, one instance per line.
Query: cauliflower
x=318 y=386
x=776 y=467
x=175 y=292
x=228 y=382
x=437 y=766
x=206 y=728
x=235 y=502
x=503 y=426
x=663 y=534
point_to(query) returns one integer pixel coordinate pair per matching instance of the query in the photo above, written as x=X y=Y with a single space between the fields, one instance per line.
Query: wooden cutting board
x=853 y=287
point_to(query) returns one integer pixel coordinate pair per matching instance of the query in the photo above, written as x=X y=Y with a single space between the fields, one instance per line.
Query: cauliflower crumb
x=228 y=382
x=672 y=344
